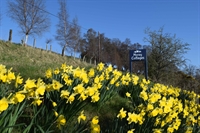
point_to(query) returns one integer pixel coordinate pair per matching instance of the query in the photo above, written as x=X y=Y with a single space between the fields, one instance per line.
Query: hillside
x=33 y=62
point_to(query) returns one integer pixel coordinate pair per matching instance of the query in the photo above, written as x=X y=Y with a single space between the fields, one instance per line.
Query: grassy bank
x=33 y=62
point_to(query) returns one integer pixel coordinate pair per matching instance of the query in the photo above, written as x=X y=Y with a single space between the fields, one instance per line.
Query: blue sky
x=122 y=19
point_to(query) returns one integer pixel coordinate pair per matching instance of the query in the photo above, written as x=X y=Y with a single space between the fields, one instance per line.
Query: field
x=45 y=92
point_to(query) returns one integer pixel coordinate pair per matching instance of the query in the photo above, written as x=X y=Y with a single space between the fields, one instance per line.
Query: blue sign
x=138 y=55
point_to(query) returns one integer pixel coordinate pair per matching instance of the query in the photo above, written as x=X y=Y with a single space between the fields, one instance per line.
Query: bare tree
x=30 y=16
x=165 y=54
x=63 y=27
x=75 y=32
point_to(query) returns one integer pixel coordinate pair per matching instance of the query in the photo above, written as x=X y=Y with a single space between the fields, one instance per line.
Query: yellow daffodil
x=67 y=79
x=117 y=84
x=157 y=130
x=149 y=107
x=144 y=95
x=63 y=67
x=112 y=81
x=40 y=90
x=71 y=98
x=79 y=88
x=65 y=94
x=61 y=121
x=109 y=68
x=131 y=131
x=95 y=128
x=18 y=98
x=128 y=94
x=95 y=97
x=2 y=68
x=132 y=117
x=100 y=66
x=19 y=80
x=91 y=73
x=56 y=113
x=54 y=104
x=3 y=104
x=84 y=77
x=77 y=72
x=170 y=129
x=10 y=76
x=189 y=130
x=154 y=97
x=56 y=71
x=154 y=112
x=81 y=117
x=122 y=114
x=135 y=79
x=56 y=85
x=48 y=73
x=82 y=96
x=30 y=84
x=37 y=101
x=95 y=120
x=96 y=80
x=3 y=78
x=90 y=91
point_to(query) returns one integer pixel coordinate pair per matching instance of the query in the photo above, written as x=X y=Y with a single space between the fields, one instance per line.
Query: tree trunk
x=26 y=39
x=63 y=50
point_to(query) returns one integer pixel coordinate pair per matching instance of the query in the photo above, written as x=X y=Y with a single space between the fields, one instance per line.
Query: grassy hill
x=140 y=105
x=33 y=62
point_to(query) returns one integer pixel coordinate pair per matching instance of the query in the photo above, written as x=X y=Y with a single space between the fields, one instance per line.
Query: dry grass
x=33 y=62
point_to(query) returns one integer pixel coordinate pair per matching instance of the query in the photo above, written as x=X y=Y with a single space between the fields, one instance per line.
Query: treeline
x=165 y=54
x=99 y=48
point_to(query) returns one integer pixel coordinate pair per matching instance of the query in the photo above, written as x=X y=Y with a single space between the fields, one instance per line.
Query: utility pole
x=99 y=48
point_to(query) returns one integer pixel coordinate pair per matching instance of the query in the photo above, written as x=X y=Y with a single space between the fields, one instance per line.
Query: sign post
x=138 y=55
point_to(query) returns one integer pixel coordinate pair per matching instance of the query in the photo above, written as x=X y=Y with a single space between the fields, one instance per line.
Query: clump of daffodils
x=9 y=95
x=162 y=109
x=95 y=127
x=65 y=92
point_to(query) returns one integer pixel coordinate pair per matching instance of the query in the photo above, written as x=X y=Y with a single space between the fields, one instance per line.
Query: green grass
x=33 y=62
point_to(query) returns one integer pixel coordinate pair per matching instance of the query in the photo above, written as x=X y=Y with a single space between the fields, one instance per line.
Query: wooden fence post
x=50 y=48
x=34 y=42
x=10 y=36
x=47 y=47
